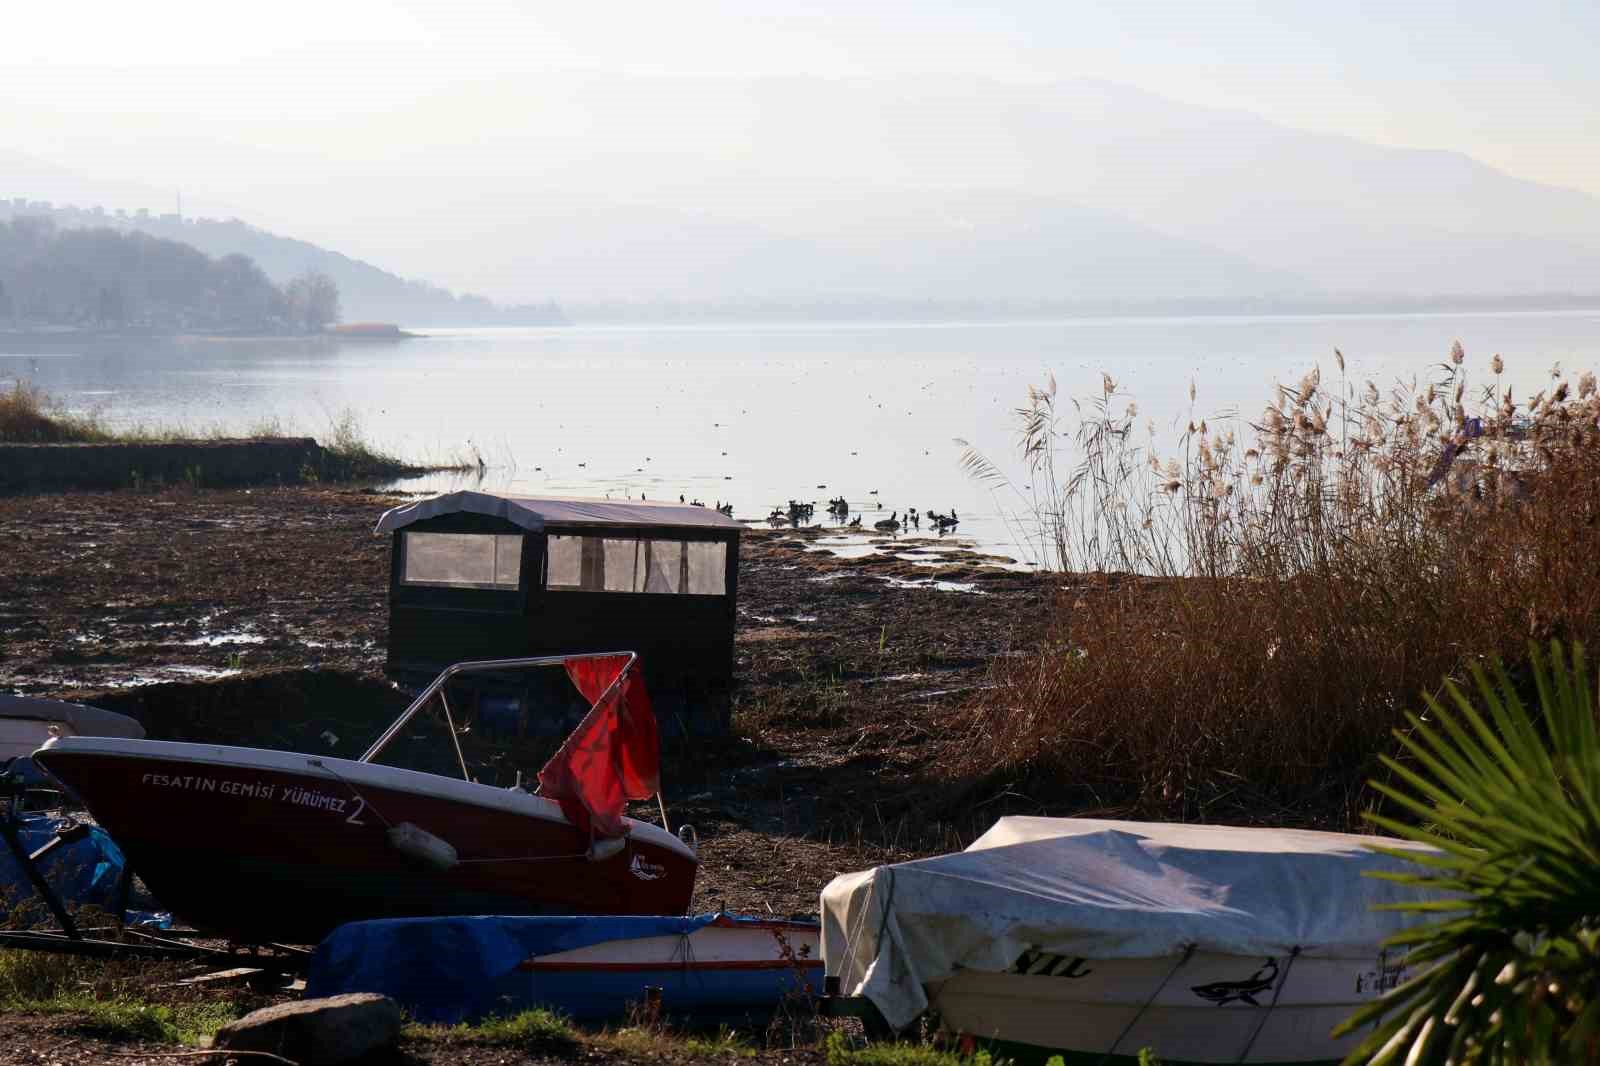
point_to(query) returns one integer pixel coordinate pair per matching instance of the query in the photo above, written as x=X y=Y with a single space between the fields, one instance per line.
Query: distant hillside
x=811 y=190
x=104 y=278
x=366 y=292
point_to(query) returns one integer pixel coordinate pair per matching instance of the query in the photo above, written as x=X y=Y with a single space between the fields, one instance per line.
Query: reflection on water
x=761 y=415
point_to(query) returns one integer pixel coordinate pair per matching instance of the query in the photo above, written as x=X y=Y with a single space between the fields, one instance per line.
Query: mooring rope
x=1294 y=953
x=1126 y=1029
x=368 y=804
x=854 y=935
x=529 y=858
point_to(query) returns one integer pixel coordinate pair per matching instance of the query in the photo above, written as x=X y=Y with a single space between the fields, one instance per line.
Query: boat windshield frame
x=437 y=685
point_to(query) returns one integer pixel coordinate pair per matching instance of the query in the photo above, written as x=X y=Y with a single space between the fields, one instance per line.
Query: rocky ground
x=849 y=670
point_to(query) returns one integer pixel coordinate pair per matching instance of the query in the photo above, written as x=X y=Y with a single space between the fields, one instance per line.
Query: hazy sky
x=1515 y=85
x=390 y=128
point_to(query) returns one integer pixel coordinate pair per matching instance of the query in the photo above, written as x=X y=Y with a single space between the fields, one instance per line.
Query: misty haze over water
x=761 y=414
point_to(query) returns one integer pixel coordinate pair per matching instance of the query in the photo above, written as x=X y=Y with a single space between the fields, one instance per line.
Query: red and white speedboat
x=278 y=847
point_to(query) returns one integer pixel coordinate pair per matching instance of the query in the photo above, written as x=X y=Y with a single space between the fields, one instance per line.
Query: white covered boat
x=1207 y=944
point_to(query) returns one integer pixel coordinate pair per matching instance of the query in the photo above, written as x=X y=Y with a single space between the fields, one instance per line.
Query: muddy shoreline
x=258 y=616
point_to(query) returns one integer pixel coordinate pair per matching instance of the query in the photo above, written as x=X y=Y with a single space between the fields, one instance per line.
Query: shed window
x=706 y=567
x=626 y=564
x=463 y=560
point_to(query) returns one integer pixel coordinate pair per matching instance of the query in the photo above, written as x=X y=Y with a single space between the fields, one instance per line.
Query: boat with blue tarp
x=448 y=970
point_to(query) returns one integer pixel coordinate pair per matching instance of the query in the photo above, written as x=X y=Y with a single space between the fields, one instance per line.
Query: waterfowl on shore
x=890 y=524
x=912 y=520
x=855 y=523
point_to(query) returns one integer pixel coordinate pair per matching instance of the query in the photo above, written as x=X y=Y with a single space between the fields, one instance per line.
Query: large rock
x=317 y=1032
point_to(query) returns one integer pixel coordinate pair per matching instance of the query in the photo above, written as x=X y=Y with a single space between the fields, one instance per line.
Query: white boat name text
x=293 y=795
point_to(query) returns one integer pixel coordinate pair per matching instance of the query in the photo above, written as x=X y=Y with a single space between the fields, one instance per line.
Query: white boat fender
x=417 y=843
x=602 y=849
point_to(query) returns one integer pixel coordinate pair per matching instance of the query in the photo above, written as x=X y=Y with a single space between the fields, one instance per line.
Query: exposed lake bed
x=258 y=617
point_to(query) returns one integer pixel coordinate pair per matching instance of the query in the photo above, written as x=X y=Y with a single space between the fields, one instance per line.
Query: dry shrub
x=28 y=416
x=1295 y=594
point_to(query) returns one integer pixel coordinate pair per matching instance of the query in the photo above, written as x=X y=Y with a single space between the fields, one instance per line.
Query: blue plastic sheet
x=83 y=872
x=447 y=970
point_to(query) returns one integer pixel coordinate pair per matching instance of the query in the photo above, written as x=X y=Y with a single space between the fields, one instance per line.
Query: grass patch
x=547 y=1031
x=106 y=997
x=841 y=1053
x=538 y=1028
x=129 y=1019
x=642 y=1041
x=1260 y=601
x=347 y=454
x=30 y=416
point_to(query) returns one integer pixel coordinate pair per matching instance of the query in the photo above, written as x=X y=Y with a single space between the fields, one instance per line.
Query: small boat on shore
x=281 y=847
x=26 y=722
x=1096 y=939
x=447 y=970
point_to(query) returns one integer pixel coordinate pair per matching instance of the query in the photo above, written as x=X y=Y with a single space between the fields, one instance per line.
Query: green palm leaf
x=1508 y=933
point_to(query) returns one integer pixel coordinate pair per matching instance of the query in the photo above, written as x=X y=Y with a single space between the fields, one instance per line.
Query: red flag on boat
x=613 y=756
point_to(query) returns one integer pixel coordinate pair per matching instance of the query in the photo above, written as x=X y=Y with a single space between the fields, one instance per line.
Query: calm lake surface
x=761 y=414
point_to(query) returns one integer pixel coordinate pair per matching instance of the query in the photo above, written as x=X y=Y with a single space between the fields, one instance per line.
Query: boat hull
x=447 y=970
x=275 y=847
x=1209 y=1009
x=721 y=970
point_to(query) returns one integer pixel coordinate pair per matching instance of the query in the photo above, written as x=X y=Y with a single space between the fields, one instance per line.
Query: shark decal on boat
x=1221 y=992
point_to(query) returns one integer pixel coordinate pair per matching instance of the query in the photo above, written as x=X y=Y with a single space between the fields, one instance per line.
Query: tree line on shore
x=108 y=279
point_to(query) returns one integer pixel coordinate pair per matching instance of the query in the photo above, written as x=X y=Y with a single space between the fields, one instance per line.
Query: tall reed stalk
x=1292 y=583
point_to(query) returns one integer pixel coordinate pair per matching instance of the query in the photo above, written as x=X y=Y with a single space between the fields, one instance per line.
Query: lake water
x=761 y=414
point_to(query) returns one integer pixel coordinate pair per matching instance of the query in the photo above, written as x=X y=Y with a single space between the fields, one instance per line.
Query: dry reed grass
x=28 y=416
x=1302 y=587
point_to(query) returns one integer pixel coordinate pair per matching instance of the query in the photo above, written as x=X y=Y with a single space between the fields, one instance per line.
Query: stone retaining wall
x=34 y=467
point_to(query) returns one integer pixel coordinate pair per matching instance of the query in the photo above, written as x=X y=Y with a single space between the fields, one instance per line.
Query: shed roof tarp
x=534 y=513
x=83 y=720
x=1104 y=890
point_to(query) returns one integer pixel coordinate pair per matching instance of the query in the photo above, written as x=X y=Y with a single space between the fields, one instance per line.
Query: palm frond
x=1512 y=950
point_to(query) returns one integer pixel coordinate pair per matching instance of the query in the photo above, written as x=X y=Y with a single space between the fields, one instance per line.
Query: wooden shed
x=478 y=575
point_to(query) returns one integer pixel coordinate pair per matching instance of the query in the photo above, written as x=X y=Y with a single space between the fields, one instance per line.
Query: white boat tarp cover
x=83 y=720
x=1104 y=890
x=535 y=513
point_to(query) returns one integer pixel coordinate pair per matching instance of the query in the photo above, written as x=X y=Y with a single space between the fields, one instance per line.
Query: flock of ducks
x=798 y=513
x=721 y=508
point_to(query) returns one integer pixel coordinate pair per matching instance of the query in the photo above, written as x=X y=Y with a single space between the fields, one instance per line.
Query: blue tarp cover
x=83 y=872
x=446 y=970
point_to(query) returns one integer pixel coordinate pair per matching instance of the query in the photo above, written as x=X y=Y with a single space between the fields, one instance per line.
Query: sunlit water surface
x=758 y=415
